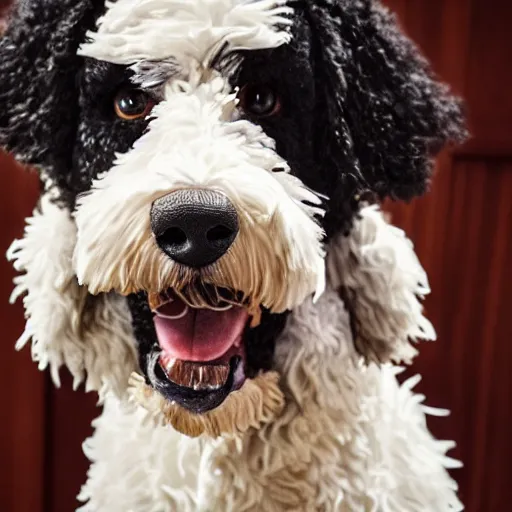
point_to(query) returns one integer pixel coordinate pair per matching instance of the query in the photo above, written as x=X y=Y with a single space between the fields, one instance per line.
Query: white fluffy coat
x=349 y=439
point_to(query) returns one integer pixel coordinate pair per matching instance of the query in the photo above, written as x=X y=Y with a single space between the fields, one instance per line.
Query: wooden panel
x=69 y=416
x=397 y=6
x=469 y=46
x=22 y=429
x=441 y=28
x=43 y=465
x=41 y=436
x=480 y=326
x=490 y=73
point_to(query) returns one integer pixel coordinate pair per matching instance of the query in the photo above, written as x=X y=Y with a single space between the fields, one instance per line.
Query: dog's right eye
x=259 y=100
x=132 y=104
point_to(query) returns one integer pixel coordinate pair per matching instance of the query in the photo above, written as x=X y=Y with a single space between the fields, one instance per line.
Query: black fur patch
x=385 y=110
x=100 y=133
x=39 y=107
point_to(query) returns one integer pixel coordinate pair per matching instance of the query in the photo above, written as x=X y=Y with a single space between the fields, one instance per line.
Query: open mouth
x=201 y=356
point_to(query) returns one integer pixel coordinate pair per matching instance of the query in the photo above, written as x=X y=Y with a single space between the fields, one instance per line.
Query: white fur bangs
x=136 y=30
x=277 y=259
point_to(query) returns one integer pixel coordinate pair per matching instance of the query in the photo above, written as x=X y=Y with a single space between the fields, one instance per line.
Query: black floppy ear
x=38 y=89
x=389 y=113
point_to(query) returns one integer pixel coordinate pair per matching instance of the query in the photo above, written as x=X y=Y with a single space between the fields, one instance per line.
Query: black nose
x=195 y=227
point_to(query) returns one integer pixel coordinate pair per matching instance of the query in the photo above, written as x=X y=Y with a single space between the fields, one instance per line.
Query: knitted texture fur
x=91 y=335
x=350 y=438
x=259 y=375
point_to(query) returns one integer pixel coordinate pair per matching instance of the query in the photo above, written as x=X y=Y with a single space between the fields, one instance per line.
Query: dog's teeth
x=206 y=374
x=194 y=375
x=193 y=380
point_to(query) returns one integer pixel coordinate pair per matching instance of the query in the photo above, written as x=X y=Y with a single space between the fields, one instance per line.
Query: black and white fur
x=361 y=118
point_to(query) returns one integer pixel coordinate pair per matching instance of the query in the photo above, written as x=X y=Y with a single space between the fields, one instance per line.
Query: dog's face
x=200 y=219
x=208 y=151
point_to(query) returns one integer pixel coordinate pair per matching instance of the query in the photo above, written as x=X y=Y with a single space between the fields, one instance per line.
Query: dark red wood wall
x=463 y=234
x=462 y=231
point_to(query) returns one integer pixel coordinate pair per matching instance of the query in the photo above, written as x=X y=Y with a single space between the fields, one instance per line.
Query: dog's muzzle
x=194 y=227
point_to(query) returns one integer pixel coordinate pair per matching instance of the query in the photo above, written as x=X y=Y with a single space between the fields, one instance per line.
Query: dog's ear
x=388 y=113
x=38 y=79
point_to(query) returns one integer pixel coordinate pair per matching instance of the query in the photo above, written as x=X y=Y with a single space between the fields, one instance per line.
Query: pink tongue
x=201 y=334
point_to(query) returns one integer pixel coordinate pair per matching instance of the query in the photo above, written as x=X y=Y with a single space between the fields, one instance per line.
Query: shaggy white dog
x=208 y=253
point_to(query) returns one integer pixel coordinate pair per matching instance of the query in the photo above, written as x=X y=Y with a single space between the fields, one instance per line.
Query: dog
x=208 y=253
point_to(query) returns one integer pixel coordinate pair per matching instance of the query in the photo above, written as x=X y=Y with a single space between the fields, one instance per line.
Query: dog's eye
x=132 y=104
x=259 y=100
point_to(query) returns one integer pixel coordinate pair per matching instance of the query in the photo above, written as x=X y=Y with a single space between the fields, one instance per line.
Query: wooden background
x=462 y=232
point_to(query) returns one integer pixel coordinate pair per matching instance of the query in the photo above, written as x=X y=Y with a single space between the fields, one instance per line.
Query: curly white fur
x=136 y=30
x=350 y=437
x=378 y=266
x=92 y=336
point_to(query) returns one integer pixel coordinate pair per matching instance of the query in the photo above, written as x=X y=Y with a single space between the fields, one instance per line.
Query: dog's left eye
x=132 y=104
x=259 y=100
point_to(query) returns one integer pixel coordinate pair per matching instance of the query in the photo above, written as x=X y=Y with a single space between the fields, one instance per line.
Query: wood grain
x=69 y=416
x=462 y=233
x=22 y=429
